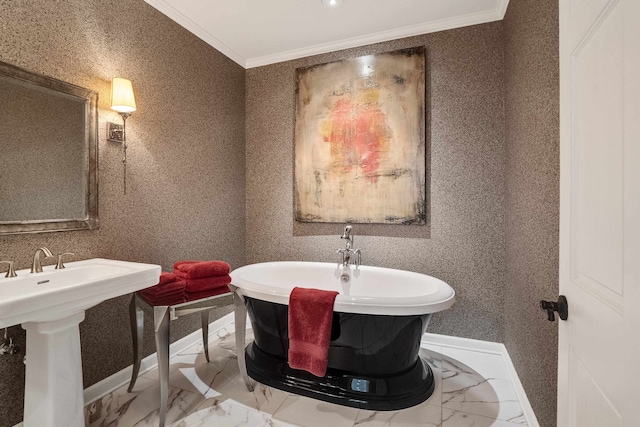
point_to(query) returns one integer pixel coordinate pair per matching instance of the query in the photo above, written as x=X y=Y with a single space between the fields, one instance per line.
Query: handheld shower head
x=346 y=234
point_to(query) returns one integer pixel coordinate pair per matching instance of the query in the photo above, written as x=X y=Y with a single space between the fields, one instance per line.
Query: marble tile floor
x=472 y=389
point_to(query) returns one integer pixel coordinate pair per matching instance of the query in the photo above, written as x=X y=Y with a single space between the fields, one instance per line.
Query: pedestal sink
x=50 y=306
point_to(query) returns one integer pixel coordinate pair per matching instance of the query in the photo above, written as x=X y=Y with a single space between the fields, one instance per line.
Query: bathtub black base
x=390 y=393
x=373 y=360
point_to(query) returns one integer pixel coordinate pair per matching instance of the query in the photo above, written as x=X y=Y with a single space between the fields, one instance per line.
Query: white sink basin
x=50 y=306
x=55 y=294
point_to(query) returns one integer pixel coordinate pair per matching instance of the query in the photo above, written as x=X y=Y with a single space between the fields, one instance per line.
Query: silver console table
x=162 y=316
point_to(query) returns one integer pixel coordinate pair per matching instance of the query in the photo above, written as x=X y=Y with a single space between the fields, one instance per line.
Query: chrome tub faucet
x=349 y=255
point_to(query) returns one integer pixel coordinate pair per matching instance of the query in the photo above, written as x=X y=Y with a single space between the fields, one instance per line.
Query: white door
x=599 y=345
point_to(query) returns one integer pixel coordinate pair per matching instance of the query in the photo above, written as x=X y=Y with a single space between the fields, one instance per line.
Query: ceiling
x=261 y=32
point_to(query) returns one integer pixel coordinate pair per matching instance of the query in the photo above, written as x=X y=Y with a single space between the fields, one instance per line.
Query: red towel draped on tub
x=310 y=316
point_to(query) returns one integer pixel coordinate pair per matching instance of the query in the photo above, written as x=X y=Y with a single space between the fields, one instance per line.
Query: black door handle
x=560 y=306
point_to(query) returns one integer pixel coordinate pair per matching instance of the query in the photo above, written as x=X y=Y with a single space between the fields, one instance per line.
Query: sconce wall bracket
x=115 y=133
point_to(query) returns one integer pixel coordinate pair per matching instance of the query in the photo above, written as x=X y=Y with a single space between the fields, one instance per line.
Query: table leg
x=161 y=320
x=240 y=312
x=136 y=317
x=205 y=333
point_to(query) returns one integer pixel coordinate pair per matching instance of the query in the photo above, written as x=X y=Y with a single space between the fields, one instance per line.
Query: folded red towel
x=167 y=278
x=192 y=296
x=310 y=316
x=191 y=269
x=206 y=283
x=169 y=288
x=164 y=300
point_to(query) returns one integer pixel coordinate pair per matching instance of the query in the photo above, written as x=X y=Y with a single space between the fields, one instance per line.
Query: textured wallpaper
x=186 y=161
x=464 y=243
x=532 y=197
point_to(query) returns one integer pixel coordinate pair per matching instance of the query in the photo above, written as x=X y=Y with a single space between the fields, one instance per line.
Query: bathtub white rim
x=396 y=306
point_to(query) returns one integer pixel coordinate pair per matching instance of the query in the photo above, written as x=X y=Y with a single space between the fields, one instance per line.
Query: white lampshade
x=122 y=99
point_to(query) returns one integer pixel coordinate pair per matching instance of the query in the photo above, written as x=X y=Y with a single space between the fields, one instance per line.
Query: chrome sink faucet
x=348 y=252
x=36 y=267
x=11 y=271
x=60 y=264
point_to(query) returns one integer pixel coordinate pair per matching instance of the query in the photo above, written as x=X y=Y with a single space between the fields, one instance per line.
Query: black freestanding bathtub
x=379 y=318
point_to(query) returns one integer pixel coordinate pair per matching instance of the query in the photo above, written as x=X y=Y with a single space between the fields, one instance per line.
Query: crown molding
x=413 y=30
x=197 y=30
x=383 y=36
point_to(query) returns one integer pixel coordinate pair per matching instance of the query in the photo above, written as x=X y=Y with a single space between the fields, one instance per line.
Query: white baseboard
x=494 y=348
x=522 y=396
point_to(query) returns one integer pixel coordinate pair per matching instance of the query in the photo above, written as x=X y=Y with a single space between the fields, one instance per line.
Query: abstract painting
x=360 y=140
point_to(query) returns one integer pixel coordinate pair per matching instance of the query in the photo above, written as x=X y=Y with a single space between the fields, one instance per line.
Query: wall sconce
x=122 y=101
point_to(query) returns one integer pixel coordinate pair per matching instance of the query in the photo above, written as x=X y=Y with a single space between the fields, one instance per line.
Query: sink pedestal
x=53 y=380
x=50 y=306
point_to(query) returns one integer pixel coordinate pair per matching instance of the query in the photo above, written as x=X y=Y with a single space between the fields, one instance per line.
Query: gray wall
x=465 y=139
x=532 y=197
x=186 y=167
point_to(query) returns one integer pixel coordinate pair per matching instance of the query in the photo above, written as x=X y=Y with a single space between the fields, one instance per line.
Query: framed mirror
x=48 y=154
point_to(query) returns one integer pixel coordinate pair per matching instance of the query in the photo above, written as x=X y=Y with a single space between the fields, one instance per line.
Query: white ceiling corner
x=256 y=32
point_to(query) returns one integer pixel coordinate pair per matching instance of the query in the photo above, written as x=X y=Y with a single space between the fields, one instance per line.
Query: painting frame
x=360 y=140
